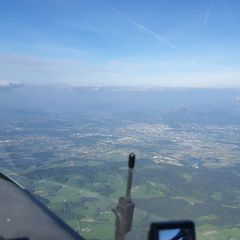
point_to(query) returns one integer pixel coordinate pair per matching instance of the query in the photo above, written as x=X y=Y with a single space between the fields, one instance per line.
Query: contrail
x=144 y=29
x=152 y=33
x=208 y=13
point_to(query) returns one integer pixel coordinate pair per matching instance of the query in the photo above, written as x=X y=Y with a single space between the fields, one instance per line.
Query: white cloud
x=237 y=98
x=5 y=84
x=167 y=72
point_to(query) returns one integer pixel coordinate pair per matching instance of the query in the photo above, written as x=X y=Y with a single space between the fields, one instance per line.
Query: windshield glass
x=84 y=83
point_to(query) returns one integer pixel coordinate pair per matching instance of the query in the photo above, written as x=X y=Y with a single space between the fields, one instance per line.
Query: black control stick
x=125 y=207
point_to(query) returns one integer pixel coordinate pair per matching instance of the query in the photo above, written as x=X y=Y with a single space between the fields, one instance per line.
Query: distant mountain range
x=174 y=105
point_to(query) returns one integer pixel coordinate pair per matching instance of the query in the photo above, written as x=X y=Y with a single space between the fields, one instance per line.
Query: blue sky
x=169 y=43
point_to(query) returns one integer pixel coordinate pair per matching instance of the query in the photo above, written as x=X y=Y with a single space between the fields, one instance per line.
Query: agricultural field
x=78 y=169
